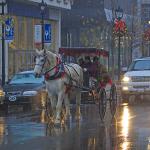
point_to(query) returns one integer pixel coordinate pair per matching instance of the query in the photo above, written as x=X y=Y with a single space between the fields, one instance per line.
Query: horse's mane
x=51 y=56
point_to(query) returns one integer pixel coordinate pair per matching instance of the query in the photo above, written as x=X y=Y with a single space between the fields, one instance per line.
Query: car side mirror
x=7 y=82
x=124 y=69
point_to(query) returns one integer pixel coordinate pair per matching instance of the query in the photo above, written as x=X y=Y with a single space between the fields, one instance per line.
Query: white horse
x=59 y=84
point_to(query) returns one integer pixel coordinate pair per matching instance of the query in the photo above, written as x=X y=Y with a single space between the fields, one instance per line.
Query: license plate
x=12 y=98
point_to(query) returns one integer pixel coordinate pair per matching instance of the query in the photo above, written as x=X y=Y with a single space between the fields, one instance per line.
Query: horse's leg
x=59 y=107
x=78 y=102
x=67 y=106
x=53 y=104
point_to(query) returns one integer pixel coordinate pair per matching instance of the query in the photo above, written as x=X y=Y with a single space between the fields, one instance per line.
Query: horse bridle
x=42 y=65
x=45 y=59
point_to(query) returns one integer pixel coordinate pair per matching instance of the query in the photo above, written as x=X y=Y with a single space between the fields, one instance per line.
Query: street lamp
x=119 y=16
x=119 y=13
x=146 y=37
x=2 y=4
x=42 y=6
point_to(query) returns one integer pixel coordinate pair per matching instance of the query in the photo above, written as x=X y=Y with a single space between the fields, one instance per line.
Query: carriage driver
x=99 y=72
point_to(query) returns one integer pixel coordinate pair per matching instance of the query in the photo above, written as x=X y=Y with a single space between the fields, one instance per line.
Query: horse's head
x=40 y=60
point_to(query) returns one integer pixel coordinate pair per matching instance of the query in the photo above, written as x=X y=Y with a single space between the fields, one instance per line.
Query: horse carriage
x=64 y=77
x=94 y=89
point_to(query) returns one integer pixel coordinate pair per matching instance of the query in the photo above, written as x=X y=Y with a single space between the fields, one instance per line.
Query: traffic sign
x=47 y=33
x=9 y=29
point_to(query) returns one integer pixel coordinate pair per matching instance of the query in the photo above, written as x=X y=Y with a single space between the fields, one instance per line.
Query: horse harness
x=60 y=72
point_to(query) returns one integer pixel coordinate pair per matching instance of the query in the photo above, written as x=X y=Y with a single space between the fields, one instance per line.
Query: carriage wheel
x=49 y=112
x=102 y=103
x=113 y=99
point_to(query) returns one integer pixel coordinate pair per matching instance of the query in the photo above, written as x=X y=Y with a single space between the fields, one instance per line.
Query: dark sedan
x=26 y=90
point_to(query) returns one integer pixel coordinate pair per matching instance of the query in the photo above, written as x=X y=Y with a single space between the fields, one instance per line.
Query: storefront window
x=29 y=33
x=21 y=33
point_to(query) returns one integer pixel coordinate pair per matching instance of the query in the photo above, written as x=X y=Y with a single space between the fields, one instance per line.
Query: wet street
x=130 y=130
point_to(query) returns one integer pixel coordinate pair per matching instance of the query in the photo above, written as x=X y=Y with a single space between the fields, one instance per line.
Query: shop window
x=30 y=33
x=21 y=33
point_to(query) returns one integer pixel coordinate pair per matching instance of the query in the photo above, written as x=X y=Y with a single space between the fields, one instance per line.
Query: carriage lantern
x=2 y=4
x=119 y=13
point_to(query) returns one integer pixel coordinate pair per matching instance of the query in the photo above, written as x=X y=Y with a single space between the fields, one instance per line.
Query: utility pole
x=132 y=32
x=2 y=4
x=112 y=36
x=42 y=6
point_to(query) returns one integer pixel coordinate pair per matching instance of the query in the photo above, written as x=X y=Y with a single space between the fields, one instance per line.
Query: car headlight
x=126 y=79
x=125 y=88
x=30 y=93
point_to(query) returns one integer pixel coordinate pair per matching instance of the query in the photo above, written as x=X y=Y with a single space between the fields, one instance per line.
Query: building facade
x=26 y=15
x=131 y=42
x=145 y=13
x=85 y=25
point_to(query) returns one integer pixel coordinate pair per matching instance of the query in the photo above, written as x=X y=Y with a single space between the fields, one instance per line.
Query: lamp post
x=119 y=16
x=147 y=36
x=2 y=4
x=42 y=6
x=149 y=39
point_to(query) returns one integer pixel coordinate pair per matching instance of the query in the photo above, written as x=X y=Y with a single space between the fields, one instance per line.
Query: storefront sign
x=56 y=3
x=47 y=33
x=37 y=34
x=9 y=29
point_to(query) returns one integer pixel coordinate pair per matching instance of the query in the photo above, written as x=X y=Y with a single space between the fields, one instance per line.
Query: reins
x=52 y=68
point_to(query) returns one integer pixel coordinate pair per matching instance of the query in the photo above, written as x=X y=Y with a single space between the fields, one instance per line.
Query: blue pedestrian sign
x=47 y=33
x=9 y=29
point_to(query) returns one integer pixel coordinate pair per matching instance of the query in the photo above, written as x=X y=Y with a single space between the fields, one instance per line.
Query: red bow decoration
x=120 y=25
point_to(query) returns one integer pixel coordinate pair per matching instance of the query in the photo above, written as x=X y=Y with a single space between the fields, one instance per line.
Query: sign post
x=9 y=29
x=47 y=33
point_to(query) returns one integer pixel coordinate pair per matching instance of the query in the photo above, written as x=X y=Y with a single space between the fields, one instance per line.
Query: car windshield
x=26 y=78
x=140 y=65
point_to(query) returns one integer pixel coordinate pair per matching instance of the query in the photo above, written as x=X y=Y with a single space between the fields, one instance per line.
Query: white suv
x=136 y=81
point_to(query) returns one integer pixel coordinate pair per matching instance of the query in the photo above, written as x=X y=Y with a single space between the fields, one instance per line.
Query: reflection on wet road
x=130 y=130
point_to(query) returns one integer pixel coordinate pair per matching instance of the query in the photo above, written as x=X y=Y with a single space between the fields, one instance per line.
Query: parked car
x=26 y=90
x=136 y=81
